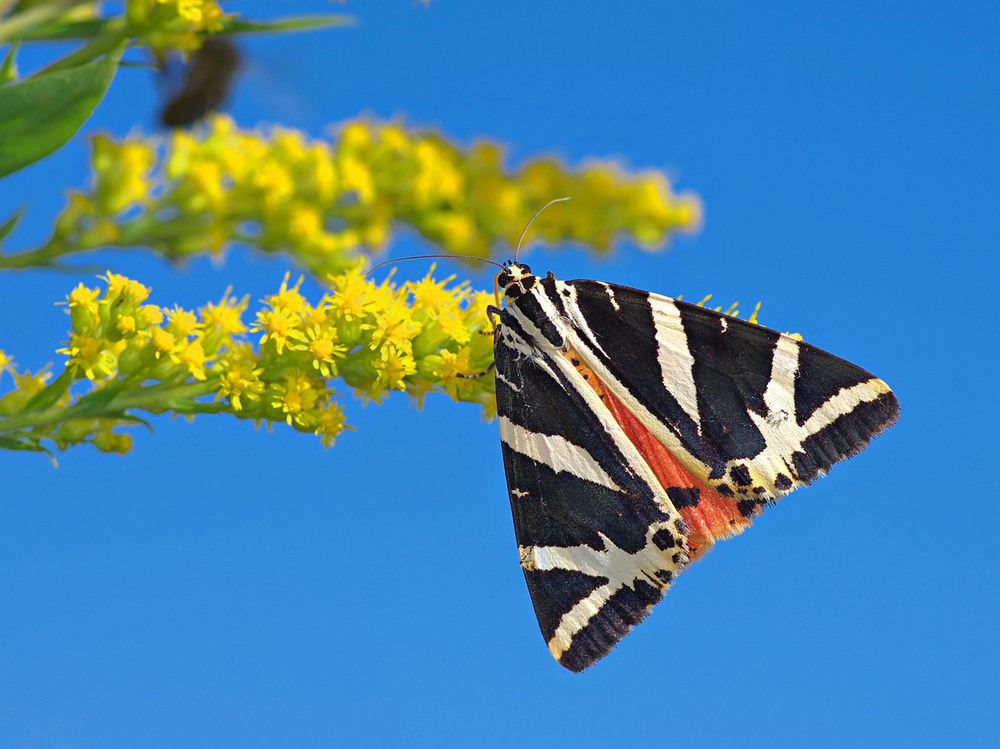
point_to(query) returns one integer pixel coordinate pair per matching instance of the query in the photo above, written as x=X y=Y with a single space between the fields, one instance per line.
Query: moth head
x=515 y=279
x=511 y=273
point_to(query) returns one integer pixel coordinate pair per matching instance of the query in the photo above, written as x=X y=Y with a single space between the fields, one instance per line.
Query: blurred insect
x=207 y=78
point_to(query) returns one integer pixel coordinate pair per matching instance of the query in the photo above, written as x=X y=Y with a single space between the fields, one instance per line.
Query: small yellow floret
x=163 y=344
x=239 y=381
x=6 y=363
x=83 y=296
x=287 y=298
x=277 y=325
x=295 y=399
x=182 y=323
x=395 y=328
x=330 y=423
x=393 y=368
x=225 y=316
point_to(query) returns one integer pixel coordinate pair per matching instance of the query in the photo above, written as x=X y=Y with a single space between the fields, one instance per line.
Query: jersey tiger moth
x=637 y=430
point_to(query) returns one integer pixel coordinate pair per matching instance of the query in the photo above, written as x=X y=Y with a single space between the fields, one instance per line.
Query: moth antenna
x=518 y=248
x=472 y=257
x=428 y=257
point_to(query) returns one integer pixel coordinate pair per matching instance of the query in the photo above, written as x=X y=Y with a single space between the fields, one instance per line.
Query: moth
x=637 y=430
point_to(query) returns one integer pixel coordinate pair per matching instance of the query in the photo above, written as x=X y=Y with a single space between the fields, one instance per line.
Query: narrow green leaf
x=8 y=226
x=8 y=70
x=128 y=419
x=9 y=443
x=190 y=407
x=47 y=396
x=299 y=23
x=39 y=114
x=96 y=403
x=65 y=30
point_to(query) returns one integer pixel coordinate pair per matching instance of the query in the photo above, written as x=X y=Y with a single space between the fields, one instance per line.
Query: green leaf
x=8 y=70
x=299 y=23
x=39 y=114
x=11 y=443
x=127 y=419
x=65 y=30
x=91 y=28
x=47 y=396
x=190 y=407
x=8 y=226
x=96 y=402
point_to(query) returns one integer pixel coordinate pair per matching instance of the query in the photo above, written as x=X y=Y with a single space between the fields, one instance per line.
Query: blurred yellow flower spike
x=325 y=204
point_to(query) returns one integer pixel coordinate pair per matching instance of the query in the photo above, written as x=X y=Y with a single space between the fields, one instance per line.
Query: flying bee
x=206 y=83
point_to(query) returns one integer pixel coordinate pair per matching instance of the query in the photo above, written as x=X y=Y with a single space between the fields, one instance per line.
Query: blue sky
x=222 y=586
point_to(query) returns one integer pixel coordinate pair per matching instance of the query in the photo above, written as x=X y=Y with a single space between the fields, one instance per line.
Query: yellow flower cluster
x=135 y=356
x=423 y=335
x=174 y=24
x=327 y=203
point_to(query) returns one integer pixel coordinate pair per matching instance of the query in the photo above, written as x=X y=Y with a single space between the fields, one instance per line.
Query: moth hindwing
x=637 y=430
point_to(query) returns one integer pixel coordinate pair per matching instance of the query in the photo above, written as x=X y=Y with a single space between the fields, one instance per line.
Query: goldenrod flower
x=107 y=441
x=163 y=344
x=296 y=398
x=223 y=319
x=148 y=315
x=392 y=368
x=182 y=323
x=319 y=342
x=6 y=363
x=327 y=203
x=455 y=371
x=175 y=24
x=273 y=182
x=240 y=381
x=350 y=294
x=277 y=325
x=394 y=327
x=125 y=326
x=287 y=298
x=83 y=296
x=206 y=188
x=192 y=356
x=356 y=178
x=371 y=339
x=87 y=357
x=123 y=171
x=330 y=423
x=305 y=223
x=83 y=309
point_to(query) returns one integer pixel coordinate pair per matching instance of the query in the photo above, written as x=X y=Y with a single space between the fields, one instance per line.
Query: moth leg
x=491 y=312
x=477 y=375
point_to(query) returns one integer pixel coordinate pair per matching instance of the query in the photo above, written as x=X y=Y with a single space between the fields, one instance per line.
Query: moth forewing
x=597 y=537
